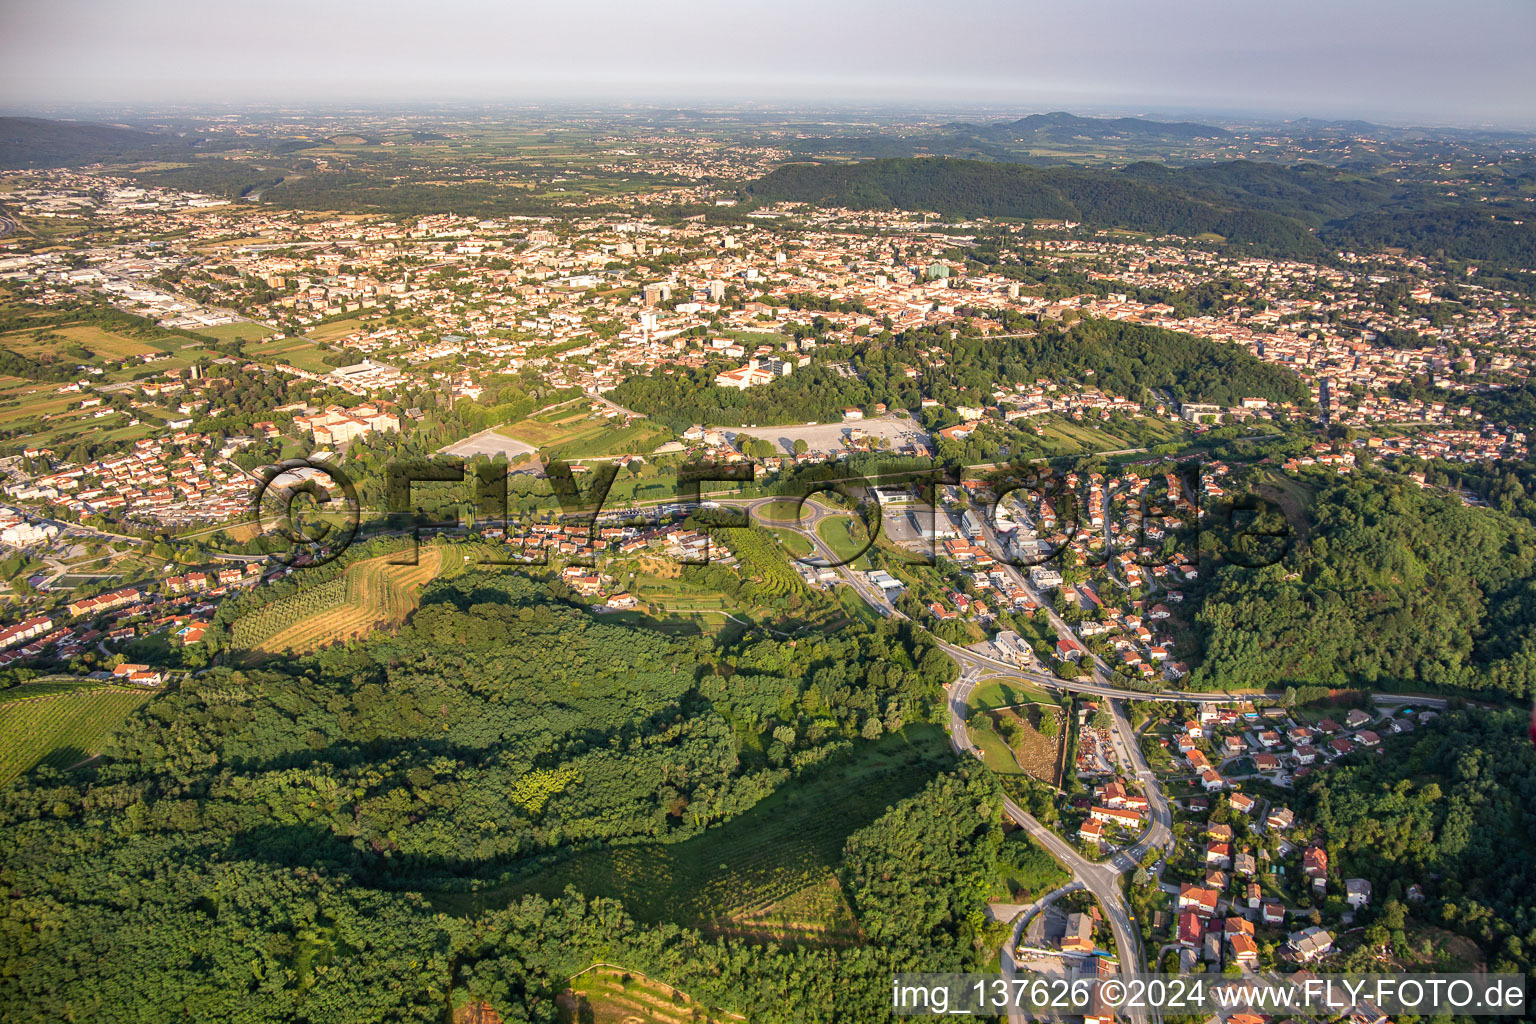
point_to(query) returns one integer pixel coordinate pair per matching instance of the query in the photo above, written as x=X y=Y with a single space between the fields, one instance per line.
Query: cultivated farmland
x=604 y=994
x=60 y=728
x=580 y=431
x=371 y=594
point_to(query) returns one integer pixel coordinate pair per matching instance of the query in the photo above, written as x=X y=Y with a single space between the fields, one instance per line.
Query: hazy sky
x=1463 y=61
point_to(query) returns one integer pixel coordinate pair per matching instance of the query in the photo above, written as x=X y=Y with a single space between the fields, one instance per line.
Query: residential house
x=1078 y=937
x=1191 y=931
x=1198 y=899
x=1314 y=864
x=1309 y=944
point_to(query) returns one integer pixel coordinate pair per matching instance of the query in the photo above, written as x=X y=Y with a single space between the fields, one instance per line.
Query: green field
x=300 y=352
x=779 y=510
x=1006 y=693
x=575 y=431
x=60 y=728
x=99 y=340
x=247 y=332
x=847 y=537
x=1072 y=437
x=335 y=330
x=796 y=544
x=994 y=750
x=36 y=413
x=765 y=870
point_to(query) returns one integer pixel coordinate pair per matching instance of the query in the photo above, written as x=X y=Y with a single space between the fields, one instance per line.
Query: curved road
x=1100 y=878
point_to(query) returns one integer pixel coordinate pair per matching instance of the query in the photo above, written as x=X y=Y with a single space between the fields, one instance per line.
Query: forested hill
x=975 y=188
x=36 y=142
x=1128 y=360
x=1394 y=586
x=1302 y=211
x=256 y=844
x=1447 y=809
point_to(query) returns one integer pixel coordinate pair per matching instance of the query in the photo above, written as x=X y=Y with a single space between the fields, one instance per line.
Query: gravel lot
x=828 y=437
x=488 y=442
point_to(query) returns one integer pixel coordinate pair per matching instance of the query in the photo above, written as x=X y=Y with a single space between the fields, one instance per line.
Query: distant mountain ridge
x=27 y=142
x=1060 y=127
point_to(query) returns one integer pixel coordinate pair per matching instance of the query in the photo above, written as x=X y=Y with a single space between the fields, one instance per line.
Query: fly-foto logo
x=1026 y=517
x=306 y=512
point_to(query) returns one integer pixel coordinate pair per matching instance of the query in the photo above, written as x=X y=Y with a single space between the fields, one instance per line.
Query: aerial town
x=1162 y=550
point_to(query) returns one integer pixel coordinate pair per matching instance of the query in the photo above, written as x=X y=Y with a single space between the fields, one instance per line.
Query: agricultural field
x=1071 y=437
x=668 y=602
x=604 y=994
x=59 y=724
x=674 y=597
x=769 y=871
x=244 y=331
x=579 y=431
x=335 y=330
x=52 y=341
x=300 y=352
x=761 y=560
x=817 y=913
x=370 y=595
x=38 y=414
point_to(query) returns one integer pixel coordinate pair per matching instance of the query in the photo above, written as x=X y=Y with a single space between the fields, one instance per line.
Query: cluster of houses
x=1115 y=812
x=168 y=480
x=1276 y=746
x=202 y=581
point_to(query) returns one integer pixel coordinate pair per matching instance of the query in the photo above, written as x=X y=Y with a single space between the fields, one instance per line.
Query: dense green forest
x=1123 y=359
x=1448 y=809
x=1392 y=586
x=258 y=843
x=1300 y=211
